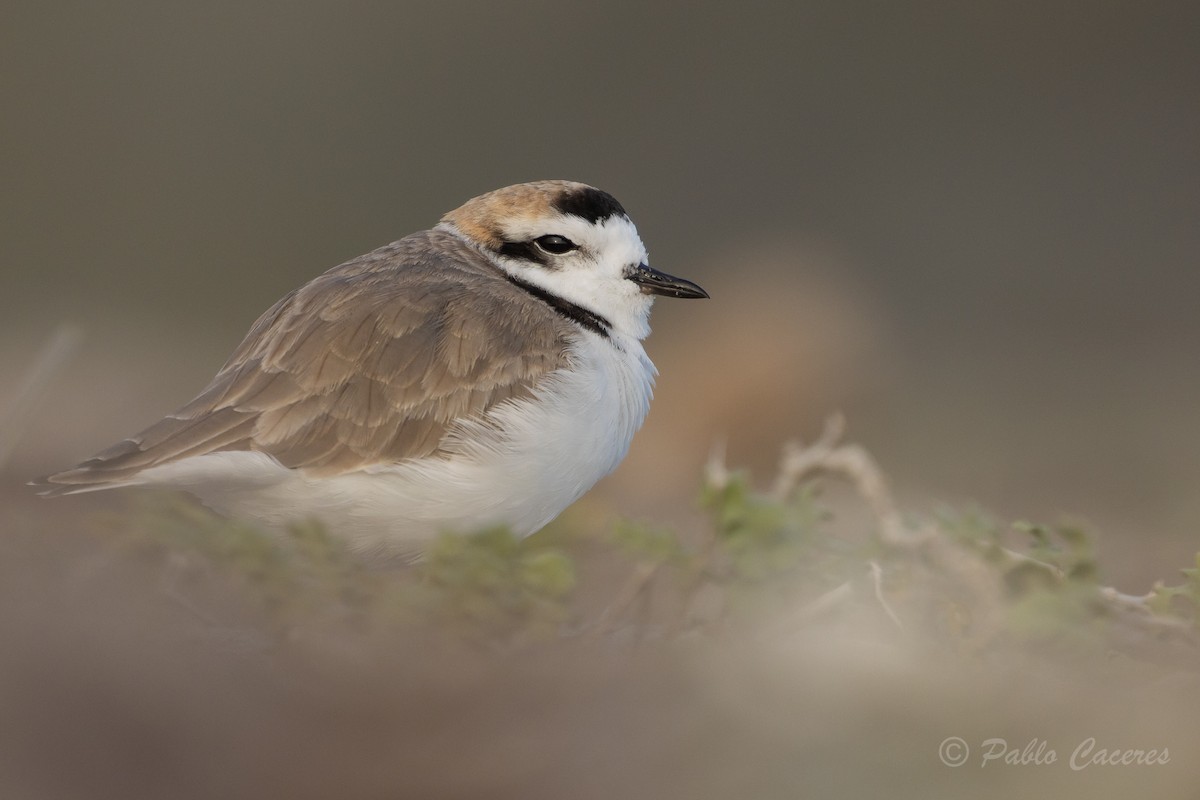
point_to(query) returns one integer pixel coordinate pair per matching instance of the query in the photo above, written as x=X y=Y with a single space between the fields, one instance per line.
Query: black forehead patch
x=590 y=204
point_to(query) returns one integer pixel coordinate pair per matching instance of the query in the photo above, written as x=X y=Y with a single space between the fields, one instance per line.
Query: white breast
x=520 y=466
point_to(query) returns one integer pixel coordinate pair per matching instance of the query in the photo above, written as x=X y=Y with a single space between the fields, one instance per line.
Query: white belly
x=528 y=462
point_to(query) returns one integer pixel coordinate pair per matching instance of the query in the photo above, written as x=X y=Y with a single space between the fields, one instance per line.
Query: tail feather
x=77 y=481
x=169 y=440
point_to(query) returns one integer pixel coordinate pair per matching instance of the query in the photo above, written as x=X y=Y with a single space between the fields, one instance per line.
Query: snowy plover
x=487 y=371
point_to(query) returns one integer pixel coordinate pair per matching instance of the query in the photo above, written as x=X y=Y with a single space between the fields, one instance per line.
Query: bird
x=485 y=372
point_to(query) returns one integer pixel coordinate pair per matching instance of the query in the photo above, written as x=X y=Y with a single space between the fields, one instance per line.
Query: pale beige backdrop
x=970 y=226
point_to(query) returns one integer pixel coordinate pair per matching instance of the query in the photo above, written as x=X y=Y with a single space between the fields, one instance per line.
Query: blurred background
x=971 y=227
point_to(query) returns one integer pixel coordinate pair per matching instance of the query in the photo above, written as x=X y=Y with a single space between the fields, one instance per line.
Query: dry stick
x=51 y=358
x=1139 y=604
x=716 y=477
x=825 y=603
x=700 y=570
x=853 y=463
x=798 y=459
x=857 y=466
x=877 y=579
x=716 y=474
x=841 y=594
x=638 y=582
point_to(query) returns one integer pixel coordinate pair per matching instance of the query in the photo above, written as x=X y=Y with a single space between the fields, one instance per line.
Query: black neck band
x=593 y=322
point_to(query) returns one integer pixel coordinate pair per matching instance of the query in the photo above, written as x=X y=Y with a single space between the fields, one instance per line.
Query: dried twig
x=637 y=583
x=877 y=579
x=716 y=474
x=851 y=462
x=1140 y=606
x=825 y=603
x=799 y=460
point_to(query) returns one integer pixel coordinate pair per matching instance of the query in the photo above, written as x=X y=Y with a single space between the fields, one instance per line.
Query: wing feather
x=371 y=363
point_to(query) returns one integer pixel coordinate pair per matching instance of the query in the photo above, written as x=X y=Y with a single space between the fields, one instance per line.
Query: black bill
x=654 y=282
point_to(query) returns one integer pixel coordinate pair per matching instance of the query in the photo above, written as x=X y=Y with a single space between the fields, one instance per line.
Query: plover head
x=570 y=242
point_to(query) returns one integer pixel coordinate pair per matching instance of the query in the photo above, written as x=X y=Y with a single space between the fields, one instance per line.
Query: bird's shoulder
x=377 y=358
x=430 y=288
x=372 y=362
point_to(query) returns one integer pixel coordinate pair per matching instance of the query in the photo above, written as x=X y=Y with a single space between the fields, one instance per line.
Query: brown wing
x=370 y=363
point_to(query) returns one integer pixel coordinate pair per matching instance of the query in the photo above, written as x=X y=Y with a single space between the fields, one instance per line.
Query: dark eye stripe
x=526 y=251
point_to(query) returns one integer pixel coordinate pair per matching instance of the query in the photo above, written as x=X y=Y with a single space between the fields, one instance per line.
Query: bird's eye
x=555 y=245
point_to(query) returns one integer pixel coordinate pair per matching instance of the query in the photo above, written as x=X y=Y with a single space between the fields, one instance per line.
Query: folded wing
x=371 y=363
